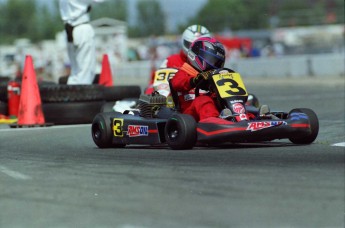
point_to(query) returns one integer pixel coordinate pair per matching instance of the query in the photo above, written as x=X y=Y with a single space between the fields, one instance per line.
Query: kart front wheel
x=180 y=132
x=314 y=126
x=101 y=131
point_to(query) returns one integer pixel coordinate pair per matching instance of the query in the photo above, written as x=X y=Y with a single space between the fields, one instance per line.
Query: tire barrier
x=71 y=112
x=71 y=93
x=3 y=108
x=115 y=93
x=73 y=104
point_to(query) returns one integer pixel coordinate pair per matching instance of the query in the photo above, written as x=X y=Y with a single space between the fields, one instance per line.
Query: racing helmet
x=192 y=33
x=206 y=53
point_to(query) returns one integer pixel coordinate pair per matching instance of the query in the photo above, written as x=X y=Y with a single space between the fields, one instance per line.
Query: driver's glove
x=202 y=76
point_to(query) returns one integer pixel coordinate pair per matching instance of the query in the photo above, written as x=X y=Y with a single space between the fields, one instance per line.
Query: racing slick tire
x=3 y=89
x=51 y=93
x=3 y=108
x=180 y=132
x=115 y=93
x=314 y=126
x=101 y=131
x=71 y=112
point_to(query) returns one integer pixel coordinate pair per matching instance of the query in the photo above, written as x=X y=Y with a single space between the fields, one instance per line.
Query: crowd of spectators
x=53 y=63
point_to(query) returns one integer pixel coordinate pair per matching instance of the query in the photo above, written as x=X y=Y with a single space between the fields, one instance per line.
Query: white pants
x=82 y=55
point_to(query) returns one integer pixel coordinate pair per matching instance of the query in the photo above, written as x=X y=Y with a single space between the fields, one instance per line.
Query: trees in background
x=223 y=15
x=28 y=19
x=235 y=14
x=20 y=19
x=116 y=9
x=151 y=19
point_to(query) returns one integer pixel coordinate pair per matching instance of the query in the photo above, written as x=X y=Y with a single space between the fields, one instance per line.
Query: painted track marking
x=339 y=144
x=14 y=174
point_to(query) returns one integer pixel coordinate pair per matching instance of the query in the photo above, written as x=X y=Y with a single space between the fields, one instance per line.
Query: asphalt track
x=57 y=177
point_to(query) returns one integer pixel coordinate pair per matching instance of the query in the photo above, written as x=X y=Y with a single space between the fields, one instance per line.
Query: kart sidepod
x=180 y=131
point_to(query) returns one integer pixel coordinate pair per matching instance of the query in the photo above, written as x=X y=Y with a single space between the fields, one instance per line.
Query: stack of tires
x=3 y=95
x=74 y=104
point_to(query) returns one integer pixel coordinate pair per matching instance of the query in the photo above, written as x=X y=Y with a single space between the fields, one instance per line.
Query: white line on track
x=44 y=128
x=14 y=174
x=339 y=144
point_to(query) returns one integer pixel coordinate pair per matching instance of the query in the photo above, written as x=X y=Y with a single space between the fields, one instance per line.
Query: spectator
x=80 y=40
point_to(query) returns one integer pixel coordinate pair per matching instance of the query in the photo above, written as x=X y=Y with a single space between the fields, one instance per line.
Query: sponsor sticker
x=189 y=97
x=137 y=130
x=241 y=117
x=256 y=126
x=236 y=101
x=117 y=127
x=238 y=108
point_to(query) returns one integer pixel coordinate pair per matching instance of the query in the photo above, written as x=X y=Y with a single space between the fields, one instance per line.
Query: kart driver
x=205 y=54
x=178 y=59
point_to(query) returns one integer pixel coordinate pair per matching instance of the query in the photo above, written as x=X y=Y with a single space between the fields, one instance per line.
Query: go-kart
x=157 y=120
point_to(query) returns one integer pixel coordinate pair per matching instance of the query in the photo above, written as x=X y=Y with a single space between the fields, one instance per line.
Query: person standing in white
x=80 y=40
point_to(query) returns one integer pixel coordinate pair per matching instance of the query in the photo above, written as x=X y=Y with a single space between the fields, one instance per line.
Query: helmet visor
x=213 y=60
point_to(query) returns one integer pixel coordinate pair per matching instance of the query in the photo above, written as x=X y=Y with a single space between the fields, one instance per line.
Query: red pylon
x=30 y=106
x=106 y=77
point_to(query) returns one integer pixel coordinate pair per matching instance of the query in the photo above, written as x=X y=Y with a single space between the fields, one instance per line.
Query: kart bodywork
x=157 y=121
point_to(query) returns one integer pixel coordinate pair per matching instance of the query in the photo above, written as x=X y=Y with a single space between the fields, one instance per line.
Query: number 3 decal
x=230 y=84
x=234 y=88
x=117 y=127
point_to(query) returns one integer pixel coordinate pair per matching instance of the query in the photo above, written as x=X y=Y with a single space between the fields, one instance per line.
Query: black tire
x=4 y=83
x=3 y=108
x=4 y=80
x=63 y=80
x=71 y=112
x=107 y=107
x=70 y=93
x=314 y=125
x=101 y=131
x=180 y=132
x=3 y=91
x=115 y=93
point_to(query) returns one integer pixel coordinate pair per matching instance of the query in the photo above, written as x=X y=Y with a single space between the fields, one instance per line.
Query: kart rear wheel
x=314 y=126
x=101 y=131
x=180 y=132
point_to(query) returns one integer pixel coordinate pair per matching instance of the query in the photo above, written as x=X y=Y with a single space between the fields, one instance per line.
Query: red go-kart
x=157 y=120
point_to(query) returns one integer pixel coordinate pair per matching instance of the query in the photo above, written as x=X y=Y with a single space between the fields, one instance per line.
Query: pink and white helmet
x=206 y=53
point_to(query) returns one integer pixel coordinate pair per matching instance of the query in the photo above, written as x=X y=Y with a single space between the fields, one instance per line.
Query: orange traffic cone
x=30 y=106
x=105 y=78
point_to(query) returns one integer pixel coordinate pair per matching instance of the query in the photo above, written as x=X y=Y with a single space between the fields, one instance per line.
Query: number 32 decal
x=163 y=75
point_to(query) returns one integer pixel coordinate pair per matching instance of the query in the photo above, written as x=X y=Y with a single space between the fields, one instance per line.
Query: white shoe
x=225 y=113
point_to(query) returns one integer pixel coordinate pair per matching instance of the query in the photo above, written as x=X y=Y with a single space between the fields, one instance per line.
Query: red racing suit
x=200 y=107
x=173 y=61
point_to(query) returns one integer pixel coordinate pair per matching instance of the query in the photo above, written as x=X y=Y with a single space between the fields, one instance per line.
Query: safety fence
x=322 y=65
